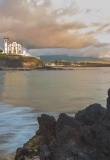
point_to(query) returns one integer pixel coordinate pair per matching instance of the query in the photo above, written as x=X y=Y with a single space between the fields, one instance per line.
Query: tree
x=1 y=50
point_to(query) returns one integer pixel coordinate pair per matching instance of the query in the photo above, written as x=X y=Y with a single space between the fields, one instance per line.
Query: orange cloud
x=37 y=26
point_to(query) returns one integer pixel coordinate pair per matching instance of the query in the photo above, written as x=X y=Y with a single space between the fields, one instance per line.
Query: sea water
x=25 y=95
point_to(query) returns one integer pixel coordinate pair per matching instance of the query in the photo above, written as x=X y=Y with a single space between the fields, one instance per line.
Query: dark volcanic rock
x=91 y=115
x=83 y=137
x=29 y=150
x=46 y=128
x=66 y=120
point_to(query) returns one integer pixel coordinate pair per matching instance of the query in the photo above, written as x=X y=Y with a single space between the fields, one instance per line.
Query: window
x=19 y=51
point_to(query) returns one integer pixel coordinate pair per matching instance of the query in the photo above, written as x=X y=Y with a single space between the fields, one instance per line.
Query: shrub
x=1 y=50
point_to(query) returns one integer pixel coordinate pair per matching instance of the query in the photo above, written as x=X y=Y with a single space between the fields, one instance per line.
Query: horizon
x=76 y=28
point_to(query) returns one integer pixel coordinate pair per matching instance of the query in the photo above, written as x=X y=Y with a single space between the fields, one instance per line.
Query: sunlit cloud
x=72 y=24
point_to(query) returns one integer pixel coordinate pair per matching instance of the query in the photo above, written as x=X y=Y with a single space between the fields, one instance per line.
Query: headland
x=28 y=63
x=18 y=62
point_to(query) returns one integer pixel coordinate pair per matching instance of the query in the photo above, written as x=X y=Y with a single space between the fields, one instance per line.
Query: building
x=13 y=48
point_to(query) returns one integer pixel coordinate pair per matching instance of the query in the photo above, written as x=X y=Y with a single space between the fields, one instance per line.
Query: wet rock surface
x=83 y=137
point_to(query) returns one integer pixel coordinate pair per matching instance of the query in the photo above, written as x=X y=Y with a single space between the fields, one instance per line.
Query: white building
x=13 y=48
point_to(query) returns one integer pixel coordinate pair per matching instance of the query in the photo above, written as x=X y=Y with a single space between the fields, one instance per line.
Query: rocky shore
x=83 y=137
x=17 y=62
x=44 y=68
x=54 y=68
x=14 y=69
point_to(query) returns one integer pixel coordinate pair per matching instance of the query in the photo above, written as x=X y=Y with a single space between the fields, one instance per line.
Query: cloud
x=38 y=25
x=108 y=30
x=100 y=51
x=100 y=26
x=87 y=11
x=101 y=45
x=69 y=10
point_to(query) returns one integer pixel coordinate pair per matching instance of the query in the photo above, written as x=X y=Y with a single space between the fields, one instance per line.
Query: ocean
x=25 y=95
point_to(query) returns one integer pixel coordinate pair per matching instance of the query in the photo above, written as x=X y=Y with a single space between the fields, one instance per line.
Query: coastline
x=14 y=69
x=83 y=137
x=46 y=68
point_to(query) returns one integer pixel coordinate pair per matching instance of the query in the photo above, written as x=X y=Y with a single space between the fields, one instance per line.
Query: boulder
x=83 y=137
x=46 y=128
x=91 y=115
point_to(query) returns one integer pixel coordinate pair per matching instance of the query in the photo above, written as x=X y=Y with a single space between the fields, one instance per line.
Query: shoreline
x=84 y=136
x=14 y=69
x=47 y=68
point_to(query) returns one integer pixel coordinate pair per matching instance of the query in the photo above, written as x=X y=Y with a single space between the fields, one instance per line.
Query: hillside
x=53 y=58
x=16 y=61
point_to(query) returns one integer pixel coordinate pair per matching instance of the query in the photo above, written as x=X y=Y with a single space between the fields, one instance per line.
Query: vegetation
x=1 y=50
x=17 y=57
x=80 y=63
x=3 y=56
x=18 y=61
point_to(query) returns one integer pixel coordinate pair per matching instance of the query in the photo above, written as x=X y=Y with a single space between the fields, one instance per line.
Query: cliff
x=15 y=61
x=83 y=137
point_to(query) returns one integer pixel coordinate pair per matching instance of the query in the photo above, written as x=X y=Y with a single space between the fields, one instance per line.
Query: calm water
x=26 y=95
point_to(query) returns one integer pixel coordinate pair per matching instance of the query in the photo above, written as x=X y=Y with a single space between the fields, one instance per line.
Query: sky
x=72 y=27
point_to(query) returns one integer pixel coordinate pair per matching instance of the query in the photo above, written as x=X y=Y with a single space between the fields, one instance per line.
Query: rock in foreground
x=83 y=137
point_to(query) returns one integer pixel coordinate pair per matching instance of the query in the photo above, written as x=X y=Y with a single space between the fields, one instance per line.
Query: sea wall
x=83 y=137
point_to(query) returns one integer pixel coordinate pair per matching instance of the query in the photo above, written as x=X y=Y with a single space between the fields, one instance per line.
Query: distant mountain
x=53 y=58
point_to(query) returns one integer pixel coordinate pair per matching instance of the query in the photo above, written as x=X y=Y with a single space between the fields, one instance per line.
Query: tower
x=6 y=42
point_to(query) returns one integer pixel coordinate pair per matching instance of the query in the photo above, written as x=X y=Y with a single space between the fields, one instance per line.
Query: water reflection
x=26 y=95
x=56 y=91
x=2 y=74
x=14 y=87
